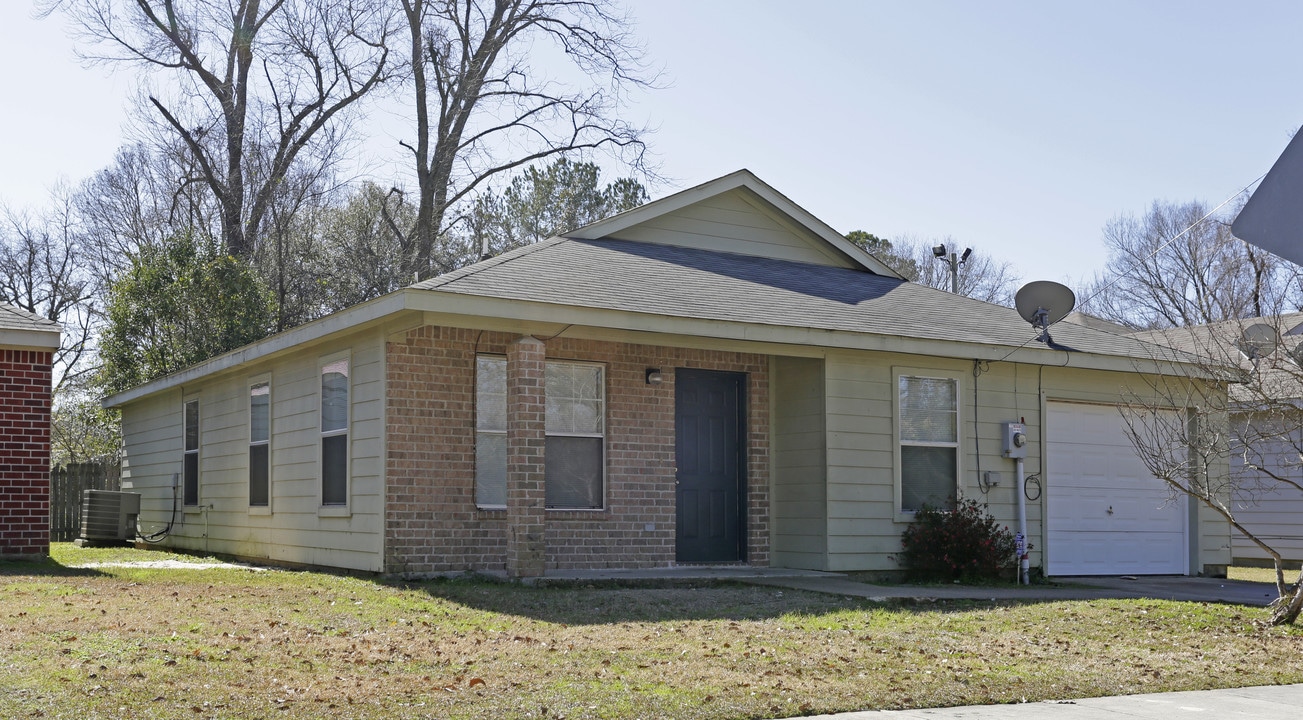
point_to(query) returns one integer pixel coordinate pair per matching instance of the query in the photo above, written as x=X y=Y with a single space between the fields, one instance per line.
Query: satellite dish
x=1043 y=303
x=1258 y=340
x=1296 y=354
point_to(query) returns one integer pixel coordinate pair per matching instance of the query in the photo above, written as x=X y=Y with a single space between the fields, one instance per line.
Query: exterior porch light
x=654 y=376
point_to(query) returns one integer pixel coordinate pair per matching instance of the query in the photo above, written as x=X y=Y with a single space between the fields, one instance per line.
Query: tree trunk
x=1285 y=609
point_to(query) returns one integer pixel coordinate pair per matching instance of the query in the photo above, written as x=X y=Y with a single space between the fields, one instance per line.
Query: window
x=260 y=445
x=575 y=427
x=490 y=432
x=190 y=466
x=334 y=432
x=928 y=410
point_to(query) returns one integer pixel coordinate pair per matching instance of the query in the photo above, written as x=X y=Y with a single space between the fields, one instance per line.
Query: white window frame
x=601 y=391
x=345 y=508
x=254 y=382
x=957 y=377
x=194 y=504
x=602 y=479
x=502 y=433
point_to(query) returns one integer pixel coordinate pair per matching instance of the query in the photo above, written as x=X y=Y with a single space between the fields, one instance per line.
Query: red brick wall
x=432 y=523
x=24 y=452
x=526 y=441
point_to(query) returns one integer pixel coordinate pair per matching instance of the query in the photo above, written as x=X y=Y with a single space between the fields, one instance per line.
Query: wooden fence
x=66 y=484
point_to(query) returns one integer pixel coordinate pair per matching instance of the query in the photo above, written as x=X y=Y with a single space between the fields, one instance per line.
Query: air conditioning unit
x=108 y=516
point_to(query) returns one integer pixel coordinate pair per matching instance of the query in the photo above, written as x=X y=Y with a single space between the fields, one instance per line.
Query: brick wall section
x=431 y=521
x=24 y=452
x=526 y=437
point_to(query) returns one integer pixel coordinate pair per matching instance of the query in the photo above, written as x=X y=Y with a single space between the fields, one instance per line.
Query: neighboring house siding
x=433 y=523
x=295 y=529
x=729 y=223
x=800 y=499
x=24 y=452
x=1272 y=512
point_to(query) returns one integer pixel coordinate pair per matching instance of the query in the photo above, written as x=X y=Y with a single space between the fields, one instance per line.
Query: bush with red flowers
x=963 y=543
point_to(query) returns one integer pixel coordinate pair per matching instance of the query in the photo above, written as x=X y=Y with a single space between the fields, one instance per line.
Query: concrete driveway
x=1175 y=587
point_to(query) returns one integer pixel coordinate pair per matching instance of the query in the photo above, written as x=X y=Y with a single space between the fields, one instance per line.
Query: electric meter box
x=1015 y=440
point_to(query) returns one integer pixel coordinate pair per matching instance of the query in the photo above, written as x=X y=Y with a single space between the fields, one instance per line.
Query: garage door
x=1106 y=515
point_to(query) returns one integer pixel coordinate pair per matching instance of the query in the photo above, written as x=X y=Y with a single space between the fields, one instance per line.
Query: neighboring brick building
x=27 y=345
x=714 y=377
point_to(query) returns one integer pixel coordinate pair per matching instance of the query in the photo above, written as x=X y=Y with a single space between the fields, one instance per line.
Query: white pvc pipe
x=1024 y=562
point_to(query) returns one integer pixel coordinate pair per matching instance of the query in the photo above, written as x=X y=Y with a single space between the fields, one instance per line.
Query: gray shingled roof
x=701 y=284
x=11 y=318
x=1278 y=374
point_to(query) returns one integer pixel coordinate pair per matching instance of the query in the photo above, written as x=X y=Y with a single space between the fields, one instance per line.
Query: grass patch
x=140 y=643
x=1257 y=574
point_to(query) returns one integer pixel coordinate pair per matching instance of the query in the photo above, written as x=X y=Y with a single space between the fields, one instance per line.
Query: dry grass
x=1256 y=574
x=131 y=643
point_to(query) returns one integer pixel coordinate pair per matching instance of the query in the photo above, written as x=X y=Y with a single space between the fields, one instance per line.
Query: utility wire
x=1159 y=249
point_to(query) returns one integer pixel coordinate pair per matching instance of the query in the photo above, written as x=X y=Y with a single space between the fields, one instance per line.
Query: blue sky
x=1017 y=127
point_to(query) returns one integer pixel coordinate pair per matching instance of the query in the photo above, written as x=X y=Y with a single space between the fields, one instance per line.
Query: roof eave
x=35 y=338
x=550 y=314
x=344 y=321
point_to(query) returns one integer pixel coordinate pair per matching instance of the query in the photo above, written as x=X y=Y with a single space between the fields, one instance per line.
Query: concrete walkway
x=1191 y=589
x=1278 y=701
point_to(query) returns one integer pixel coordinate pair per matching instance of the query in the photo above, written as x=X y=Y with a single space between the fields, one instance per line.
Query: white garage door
x=1106 y=514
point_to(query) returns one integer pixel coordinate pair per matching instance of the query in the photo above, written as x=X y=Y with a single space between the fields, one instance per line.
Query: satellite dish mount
x=1043 y=303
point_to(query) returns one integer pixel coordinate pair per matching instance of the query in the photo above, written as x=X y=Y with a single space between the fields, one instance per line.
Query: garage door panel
x=1106 y=514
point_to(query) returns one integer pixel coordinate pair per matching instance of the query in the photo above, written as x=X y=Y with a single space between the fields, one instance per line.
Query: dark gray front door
x=709 y=417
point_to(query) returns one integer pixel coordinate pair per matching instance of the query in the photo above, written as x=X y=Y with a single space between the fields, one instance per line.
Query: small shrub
x=965 y=543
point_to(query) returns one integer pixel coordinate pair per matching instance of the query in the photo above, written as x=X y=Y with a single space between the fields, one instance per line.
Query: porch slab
x=739 y=573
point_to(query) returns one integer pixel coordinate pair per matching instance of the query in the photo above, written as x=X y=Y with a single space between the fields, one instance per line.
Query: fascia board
x=41 y=340
x=350 y=320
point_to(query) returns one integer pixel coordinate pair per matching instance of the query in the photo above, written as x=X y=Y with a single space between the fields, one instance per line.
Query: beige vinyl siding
x=800 y=498
x=731 y=223
x=864 y=526
x=295 y=531
x=1210 y=534
x=151 y=454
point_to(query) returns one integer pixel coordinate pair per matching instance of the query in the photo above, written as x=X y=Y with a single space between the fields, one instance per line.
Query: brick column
x=24 y=452
x=526 y=437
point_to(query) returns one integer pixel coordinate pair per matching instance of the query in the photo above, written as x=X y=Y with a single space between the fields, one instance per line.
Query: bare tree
x=483 y=107
x=138 y=202
x=1230 y=433
x=1180 y=266
x=252 y=86
x=43 y=272
x=980 y=276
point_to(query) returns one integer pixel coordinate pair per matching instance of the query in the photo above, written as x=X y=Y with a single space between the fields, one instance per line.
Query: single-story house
x=714 y=377
x=1266 y=430
x=27 y=345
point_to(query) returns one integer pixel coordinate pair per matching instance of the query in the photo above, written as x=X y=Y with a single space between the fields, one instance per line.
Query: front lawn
x=169 y=643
